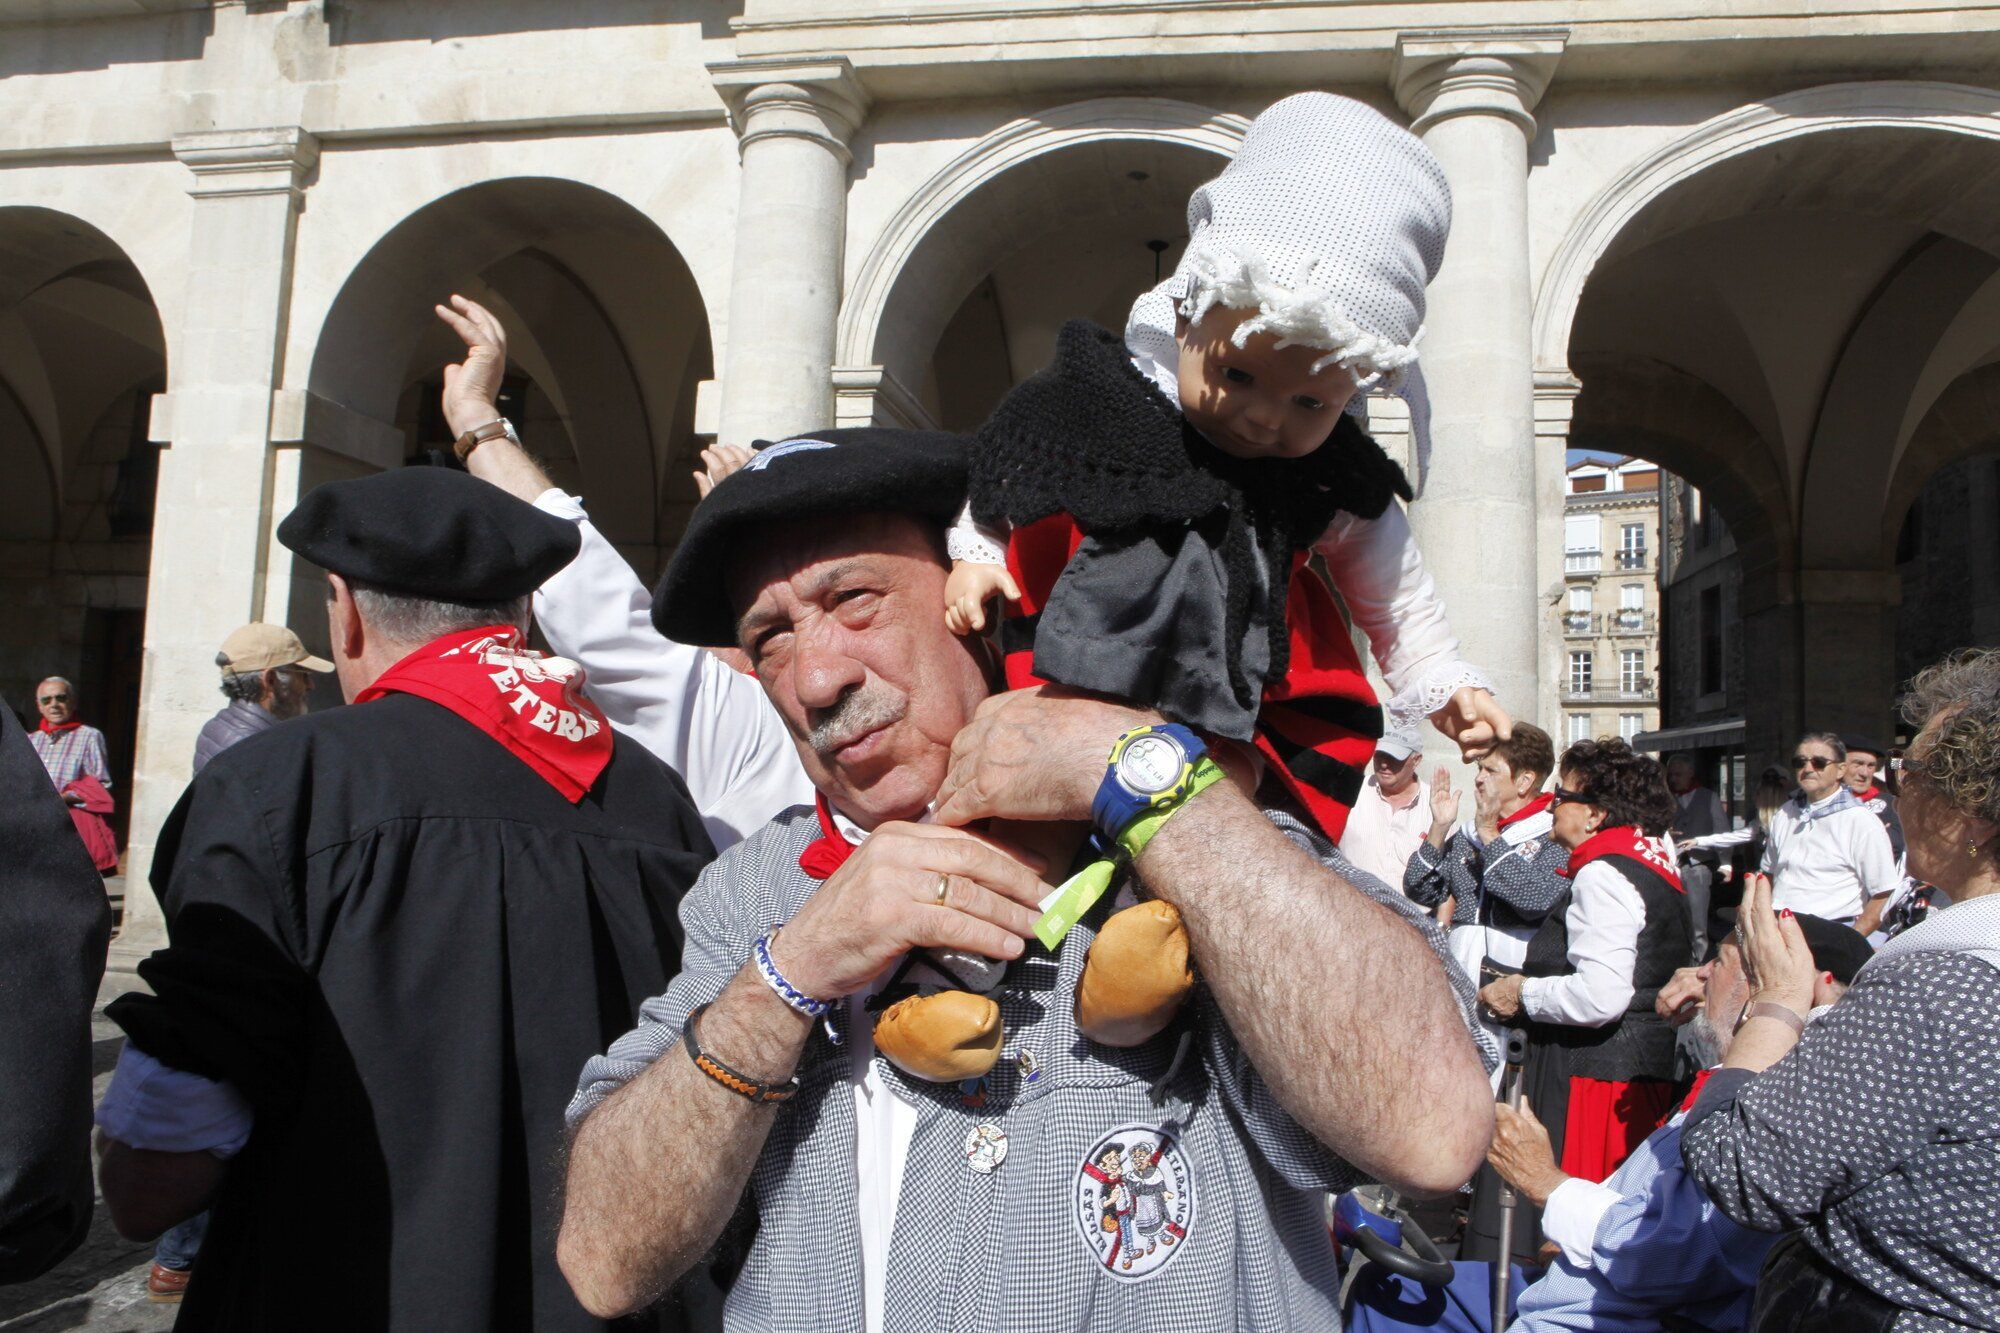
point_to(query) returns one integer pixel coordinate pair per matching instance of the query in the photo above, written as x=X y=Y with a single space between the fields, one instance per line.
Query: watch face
x=1151 y=765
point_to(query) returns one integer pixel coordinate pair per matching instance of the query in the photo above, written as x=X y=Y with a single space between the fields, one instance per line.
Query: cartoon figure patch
x=1134 y=1200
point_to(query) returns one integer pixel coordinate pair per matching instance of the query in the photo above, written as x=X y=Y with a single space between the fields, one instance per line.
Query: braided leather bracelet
x=763 y=1094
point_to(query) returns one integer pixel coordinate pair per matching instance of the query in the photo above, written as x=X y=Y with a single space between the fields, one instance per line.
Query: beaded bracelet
x=763 y=1094
x=790 y=994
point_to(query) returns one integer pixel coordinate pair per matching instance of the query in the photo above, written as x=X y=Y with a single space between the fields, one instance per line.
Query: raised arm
x=711 y=724
x=1326 y=991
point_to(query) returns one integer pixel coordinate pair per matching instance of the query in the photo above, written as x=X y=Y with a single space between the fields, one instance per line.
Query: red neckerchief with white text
x=531 y=704
x=1528 y=811
x=830 y=850
x=58 y=728
x=1627 y=842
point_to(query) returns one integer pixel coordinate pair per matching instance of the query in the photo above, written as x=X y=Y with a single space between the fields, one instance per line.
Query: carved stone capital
x=236 y=163
x=1475 y=71
x=820 y=100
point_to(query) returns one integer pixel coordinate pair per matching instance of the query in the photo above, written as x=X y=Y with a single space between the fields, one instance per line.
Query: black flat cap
x=863 y=469
x=430 y=532
x=1865 y=744
x=1835 y=948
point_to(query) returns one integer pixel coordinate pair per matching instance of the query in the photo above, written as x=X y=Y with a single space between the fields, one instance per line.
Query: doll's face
x=1257 y=400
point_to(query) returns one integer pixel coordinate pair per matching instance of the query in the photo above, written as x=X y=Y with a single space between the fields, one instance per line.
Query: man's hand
x=1033 y=754
x=1681 y=998
x=883 y=902
x=1502 y=998
x=1522 y=1154
x=72 y=797
x=717 y=462
x=472 y=388
x=971 y=586
x=1475 y=719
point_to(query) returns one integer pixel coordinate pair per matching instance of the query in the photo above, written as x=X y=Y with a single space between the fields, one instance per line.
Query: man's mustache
x=854 y=716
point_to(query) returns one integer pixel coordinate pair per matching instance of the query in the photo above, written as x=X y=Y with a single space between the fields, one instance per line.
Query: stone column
x=1469 y=94
x=794 y=120
x=213 y=513
x=1555 y=404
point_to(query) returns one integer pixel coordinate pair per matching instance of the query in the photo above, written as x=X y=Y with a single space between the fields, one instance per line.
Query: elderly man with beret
x=1173 y=1180
x=395 y=930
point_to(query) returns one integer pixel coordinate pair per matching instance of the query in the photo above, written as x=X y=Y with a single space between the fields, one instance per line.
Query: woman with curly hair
x=1874 y=1135
x=1600 y=1061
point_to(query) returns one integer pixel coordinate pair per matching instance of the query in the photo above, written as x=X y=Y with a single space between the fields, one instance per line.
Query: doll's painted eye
x=1236 y=376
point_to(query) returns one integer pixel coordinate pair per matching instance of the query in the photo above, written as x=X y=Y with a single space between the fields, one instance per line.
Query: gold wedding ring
x=943 y=888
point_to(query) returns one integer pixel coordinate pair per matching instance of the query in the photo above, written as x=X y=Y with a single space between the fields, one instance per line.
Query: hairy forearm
x=147 y=1192
x=656 y=1171
x=1329 y=993
x=1871 y=915
x=508 y=466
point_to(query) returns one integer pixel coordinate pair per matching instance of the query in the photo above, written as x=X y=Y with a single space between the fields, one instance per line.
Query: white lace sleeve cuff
x=973 y=542
x=1431 y=691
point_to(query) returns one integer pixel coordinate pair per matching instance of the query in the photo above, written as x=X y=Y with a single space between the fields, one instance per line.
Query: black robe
x=54 y=925
x=401 y=945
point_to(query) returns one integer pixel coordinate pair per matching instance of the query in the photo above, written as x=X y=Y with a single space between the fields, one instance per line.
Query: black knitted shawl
x=1093 y=437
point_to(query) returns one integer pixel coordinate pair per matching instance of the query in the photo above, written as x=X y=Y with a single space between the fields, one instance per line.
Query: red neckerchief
x=1694 y=1091
x=1532 y=808
x=1870 y=794
x=531 y=704
x=59 y=728
x=1628 y=842
x=829 y=851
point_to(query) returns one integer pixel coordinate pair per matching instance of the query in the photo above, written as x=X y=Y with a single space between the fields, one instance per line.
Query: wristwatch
x=1151 y=771
x=478 y=435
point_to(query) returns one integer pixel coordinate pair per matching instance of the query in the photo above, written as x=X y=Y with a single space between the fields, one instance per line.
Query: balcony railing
x=1643 y=692
x=1581 y=624
x=1629 y=620
x=1632 y=559
x=1583 y=562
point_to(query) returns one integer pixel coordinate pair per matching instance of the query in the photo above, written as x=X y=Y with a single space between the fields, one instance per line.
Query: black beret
x=1865 y=744
x=1835 y=948
x=430 y=532
x=859 y=470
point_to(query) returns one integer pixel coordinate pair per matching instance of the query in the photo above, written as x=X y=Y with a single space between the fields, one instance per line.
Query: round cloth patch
x=1133 y=1200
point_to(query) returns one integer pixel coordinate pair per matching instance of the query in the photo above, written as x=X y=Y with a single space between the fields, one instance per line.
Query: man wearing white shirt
x=1392 y=812
x=1828 y=854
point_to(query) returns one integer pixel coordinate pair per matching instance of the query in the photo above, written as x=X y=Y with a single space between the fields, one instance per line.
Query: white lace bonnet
x=1329 y=222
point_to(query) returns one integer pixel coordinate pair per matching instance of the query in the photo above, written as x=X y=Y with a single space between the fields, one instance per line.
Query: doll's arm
x=1380 y=573
x=978 y=571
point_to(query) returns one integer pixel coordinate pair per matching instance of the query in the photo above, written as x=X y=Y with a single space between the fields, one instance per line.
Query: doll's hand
x=718 y=461
x=967 y=590
x=1475 y=719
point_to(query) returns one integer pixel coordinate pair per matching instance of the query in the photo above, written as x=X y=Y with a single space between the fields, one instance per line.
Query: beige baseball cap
x=257 y=647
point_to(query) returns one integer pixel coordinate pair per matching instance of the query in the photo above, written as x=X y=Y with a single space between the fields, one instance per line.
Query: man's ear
x=343 y=622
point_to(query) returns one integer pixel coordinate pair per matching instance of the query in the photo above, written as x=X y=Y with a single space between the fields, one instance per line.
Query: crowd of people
x=979 y=886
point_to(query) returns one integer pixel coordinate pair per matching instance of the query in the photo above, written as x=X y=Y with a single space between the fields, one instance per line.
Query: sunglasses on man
x=53 y=699
x=1818 y=762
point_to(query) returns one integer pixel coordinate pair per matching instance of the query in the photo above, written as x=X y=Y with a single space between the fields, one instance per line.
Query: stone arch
x=980 y=208
x=1894 y=104
x=1963 y=423
x=82 y=353
x=607 y=329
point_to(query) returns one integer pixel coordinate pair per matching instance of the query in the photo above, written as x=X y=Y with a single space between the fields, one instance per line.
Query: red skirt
x=1607 y=1121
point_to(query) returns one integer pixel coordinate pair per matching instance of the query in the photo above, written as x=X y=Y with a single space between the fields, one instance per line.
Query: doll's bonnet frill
x=1329 y=222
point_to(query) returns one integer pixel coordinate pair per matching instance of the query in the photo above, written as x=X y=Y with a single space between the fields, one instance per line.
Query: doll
x=1147 y=504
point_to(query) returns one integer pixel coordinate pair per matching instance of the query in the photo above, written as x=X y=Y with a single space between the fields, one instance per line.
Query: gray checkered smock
x=1003 y=1251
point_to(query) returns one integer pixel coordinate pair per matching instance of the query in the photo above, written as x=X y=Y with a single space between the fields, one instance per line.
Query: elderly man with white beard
x=1648 y=1243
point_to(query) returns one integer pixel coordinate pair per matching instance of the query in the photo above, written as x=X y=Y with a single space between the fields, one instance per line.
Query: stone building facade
x=1753 y=243
x=1610 y=611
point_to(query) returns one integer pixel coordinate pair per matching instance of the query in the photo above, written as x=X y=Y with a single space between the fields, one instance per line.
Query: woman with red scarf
x=1600 y=1060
